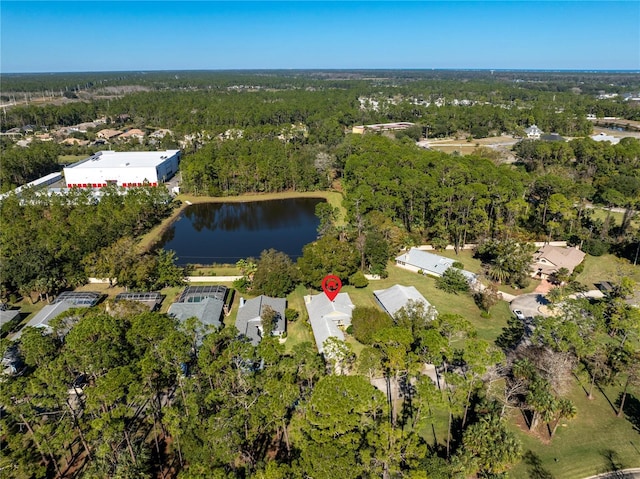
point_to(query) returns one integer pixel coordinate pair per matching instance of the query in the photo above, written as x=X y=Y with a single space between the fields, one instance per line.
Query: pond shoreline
x=150 y=240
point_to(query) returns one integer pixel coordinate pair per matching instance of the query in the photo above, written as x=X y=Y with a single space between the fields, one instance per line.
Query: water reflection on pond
x=226 y=232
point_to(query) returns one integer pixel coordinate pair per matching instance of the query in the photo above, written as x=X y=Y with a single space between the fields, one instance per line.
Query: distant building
x=326 y=316
x=553 y=137
x=533 y=132
x=401 y=125
x=108 y=134
x=604 y=137
x=549 y=259
x=127 y=169
x=393 y=299
x=429 y=263
x=132 y=133
x=249 y=318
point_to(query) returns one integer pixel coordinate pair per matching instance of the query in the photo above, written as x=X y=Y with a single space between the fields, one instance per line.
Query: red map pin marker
x=331 y=286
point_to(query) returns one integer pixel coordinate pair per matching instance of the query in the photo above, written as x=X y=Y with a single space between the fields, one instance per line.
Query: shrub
x=577 y=270
x=358 y=280
x=595 y=247
x=291 y=314
x=365 y=322
x=453 y=281
x=242 y=284
x=458 y=264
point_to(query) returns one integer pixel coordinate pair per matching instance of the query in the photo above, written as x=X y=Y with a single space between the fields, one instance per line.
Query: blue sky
x=126 y=35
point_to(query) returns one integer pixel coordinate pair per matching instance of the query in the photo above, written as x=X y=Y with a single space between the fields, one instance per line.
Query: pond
x=211 y=233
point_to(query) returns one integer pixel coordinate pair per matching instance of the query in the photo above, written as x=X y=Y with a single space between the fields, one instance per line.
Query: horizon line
x=316 y=69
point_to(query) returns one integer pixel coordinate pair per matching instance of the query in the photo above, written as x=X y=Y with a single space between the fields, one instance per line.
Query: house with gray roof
x=63 y=303
x=326 y=317
x=429 y=263
x=8 y=315
x=207 y=310
x=393 y=299
x=249 y=318
x=203 y=302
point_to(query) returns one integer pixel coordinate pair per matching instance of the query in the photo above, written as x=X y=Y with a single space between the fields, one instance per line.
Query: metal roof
x=431 y=263
x=325 y=316
x=396 y=297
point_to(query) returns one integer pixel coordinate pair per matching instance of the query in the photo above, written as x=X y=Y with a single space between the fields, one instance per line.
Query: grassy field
x=593 y=442
x=217 y=270
x=461 y=304
x=465 y=256
x=606 y=268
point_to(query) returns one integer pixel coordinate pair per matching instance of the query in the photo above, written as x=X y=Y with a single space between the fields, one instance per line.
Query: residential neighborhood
x=167 y=239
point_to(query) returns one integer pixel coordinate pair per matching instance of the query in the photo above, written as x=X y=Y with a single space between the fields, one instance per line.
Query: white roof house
x=326 y=316
x=396 y=297
x=131 y=168
x=429 y=263
x=533 y=132
x=604 y=137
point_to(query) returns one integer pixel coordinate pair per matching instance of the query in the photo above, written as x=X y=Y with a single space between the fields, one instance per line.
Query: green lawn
x=582 y=446
x=606 y=268
x=217 y=270
x=616 y=218
x=462 y=304
x=465 y=257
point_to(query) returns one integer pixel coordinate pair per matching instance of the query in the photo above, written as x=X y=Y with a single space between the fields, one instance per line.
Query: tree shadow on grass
x=612 y=463
x=613 y=408
x=536 y=470
x=632 y=411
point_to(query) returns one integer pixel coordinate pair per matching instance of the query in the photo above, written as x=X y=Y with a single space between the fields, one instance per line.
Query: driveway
x=529 y=304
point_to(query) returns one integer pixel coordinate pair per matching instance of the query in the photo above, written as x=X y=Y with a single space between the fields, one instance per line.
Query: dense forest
x=117 y=391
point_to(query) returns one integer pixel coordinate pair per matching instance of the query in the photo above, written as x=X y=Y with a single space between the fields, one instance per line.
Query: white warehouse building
x=127 y=169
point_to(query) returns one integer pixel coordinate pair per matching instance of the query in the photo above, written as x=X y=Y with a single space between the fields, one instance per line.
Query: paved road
x=624 y=474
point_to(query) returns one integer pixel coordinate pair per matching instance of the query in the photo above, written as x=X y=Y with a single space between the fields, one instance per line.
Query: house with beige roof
x=108 y=134
x=549 y=259
x=132 y=133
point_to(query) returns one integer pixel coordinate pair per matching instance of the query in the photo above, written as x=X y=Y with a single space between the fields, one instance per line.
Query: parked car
x=519 y=314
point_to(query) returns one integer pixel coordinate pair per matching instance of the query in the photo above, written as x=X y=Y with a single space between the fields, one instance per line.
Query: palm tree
x=564 y=410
